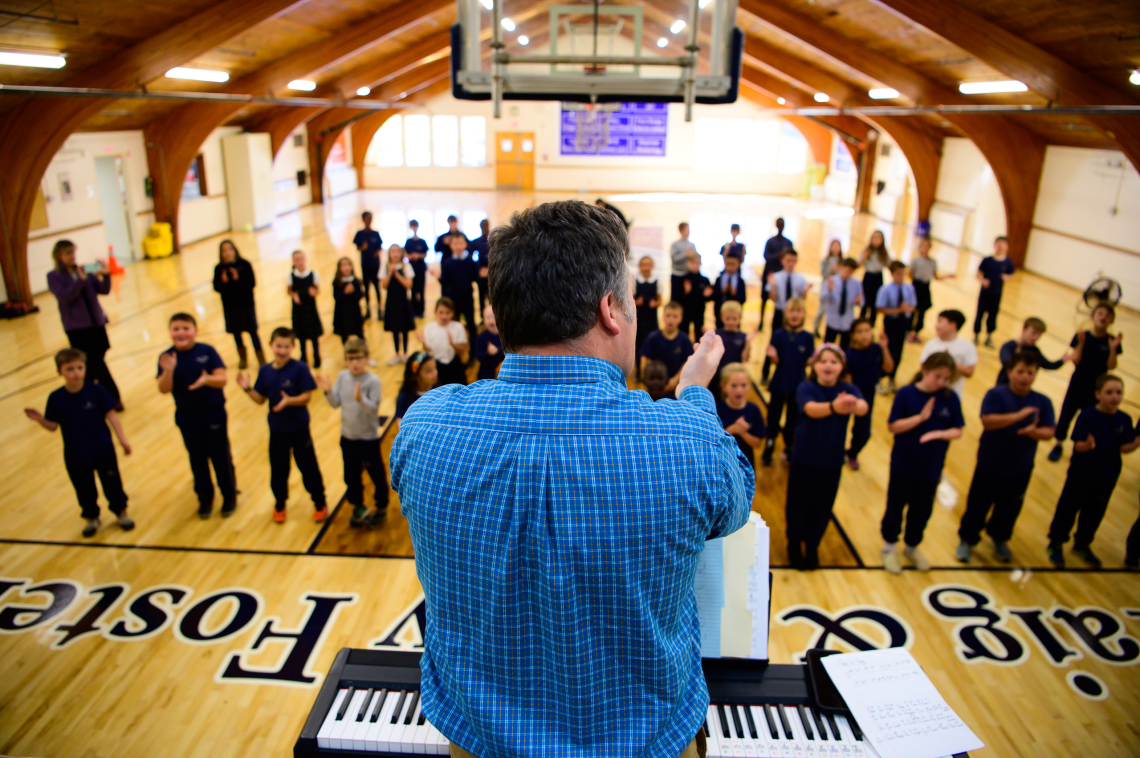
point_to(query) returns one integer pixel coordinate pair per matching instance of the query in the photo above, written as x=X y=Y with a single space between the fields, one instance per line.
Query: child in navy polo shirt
x=489 y=347
x=736 y=346
x=668 y=345
x=741 y=418
x=416 y=249
x=83 y=411
x=195 y=374
x=896 y=301
x=1014 y=419
x=1095 y=352
x=789 y=349
x=368 y=242
x=1101 y=434
x=867 y=361
x=287 y=385
x=825 y=403
x=993 y=272
x=696 y=291
x=925 y=416
x=734 y=249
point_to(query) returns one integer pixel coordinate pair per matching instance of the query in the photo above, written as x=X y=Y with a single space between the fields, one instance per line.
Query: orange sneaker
x=279 y=515
x=321 y=514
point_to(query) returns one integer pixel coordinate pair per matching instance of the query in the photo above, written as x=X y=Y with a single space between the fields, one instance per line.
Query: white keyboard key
x=746 y=737
x=385 y=739
x=712 y=740
x=372 y=739
x=423 y=730
x=360 y=722
x=764 y=746
x=408 y=741
x=396 y=739
x=345 y=721
x=330 y=718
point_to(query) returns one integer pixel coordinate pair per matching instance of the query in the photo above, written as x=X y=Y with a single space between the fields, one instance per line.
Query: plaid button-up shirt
x=557 y=519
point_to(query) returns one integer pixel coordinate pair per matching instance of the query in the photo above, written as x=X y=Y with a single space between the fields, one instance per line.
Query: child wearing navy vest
x=736 y=347
x=194 y=373
x=696 y=291
x=1094 y=353
x=740 y=418
x=668 y=345
x=925 y=416
x=789 y=349
x=303 y=286
x=83 y=411
x=348 y=291
x=1014 y=418
x=825 y=403
x=416 y=248
x=287 y=385
x=1101 y=434
x=647 y=297
x=896 y=301
x=867 y=361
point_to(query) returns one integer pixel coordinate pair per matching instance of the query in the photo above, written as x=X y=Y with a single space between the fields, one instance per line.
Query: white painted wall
x=80 y=219
x=968 y=210
x=249 y=179
x=206 y=216
x=291 y=158
x=897 y=203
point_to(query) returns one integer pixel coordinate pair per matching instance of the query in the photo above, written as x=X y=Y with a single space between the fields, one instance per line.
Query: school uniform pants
x=777 y=403
x=904 y=491
x=371 y=279
x=1084 y=495
x=1002 y=490
x=872 y=283
x=777 y=323
x=316 y=344
x=481 y=282
x=210 y=444
x=360 y=456
x=988 y=305
x=1078 y=396
x=811 y=496
x=94 y=343
x=834 y=335
x=676 y=287
x=896 y=328
x=300 y=446
x=695 y=318
x=82 y=476
x=861 y=426
x=924 y=302
x=419 y=281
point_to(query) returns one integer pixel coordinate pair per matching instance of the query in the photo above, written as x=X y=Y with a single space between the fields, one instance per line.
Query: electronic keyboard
x=370 y=703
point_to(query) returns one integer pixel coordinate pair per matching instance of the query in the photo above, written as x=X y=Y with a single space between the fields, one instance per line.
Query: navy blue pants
x=210 y=444
x=861 y=426
x=300 y=446
x=1004 y=491
x=83 y=479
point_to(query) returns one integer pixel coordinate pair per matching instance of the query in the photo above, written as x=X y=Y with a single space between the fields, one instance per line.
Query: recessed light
x=985 y=88
x=508 y=24
x=883 y=93
x=197 y=74
x=1135 y=78
x=524 y=40
x=488 y=4
x=677 y=26
x=364 y=91
x=781 y=100
x=820 y=97
x=704 y=3
x=302 y=84
x=33 y=60
x=662 y=42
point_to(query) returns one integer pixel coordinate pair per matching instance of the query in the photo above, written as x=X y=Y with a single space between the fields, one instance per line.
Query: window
x=761 y=146
x=473 y=141
x=469 y=223
x=765 y=146
x=793 y=151
x=417 y=140
x=445 y=141
x=387 y=148
x=737 y=138
x=193 y=185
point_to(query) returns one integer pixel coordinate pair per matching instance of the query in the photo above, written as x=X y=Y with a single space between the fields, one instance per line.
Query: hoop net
x=593 y=126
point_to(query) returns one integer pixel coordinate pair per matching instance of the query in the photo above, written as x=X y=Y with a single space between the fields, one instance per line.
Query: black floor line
x=847 y=540
x=185 y=549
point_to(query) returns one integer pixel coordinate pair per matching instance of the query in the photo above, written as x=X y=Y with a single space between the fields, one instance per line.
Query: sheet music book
x=897 y=706
x=732 y=591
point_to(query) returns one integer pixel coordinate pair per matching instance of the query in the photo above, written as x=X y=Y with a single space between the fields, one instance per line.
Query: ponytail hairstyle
x=935 y=361
x=879 y=252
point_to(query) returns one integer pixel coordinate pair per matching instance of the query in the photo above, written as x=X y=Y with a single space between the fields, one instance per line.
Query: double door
x=514 y=160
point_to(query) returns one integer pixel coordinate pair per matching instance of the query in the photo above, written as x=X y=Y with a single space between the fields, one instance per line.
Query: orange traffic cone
x=112 y=264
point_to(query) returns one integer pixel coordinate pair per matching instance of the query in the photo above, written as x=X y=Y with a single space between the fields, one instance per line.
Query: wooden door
x=514 y=160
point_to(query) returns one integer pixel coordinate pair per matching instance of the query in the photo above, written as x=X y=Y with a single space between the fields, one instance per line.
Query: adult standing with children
x=77 y=291
x=562 y=536
x=234 y=281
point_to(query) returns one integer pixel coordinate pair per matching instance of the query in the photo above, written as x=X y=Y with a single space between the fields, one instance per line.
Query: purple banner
x=635 y=129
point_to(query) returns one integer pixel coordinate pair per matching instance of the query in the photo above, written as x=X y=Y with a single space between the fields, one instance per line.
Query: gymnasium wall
x=897 y=203
x=1086 y=223
x=206 y=216
x=288 y=195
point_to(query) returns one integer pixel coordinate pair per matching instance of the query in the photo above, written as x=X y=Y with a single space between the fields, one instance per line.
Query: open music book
x=733 y=593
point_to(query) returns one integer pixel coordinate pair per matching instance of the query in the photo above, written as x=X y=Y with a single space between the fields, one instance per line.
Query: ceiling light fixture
x=704 y=3
x=677 y=26
x=302 y=84
x=781 y=100
x=524 y=40
x=820 y=97
x=662 y=42
x=883 y=93
x=197 y=74
x=488 y=4
x=32 y=60
x=364 y=91
x=986 y=88
x=1135 y=78
x=508 y=24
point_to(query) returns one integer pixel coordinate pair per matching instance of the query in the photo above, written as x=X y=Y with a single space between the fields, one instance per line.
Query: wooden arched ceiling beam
x=1020 y=59
x=1016 y=155
x=174 y=139
x=280 y=123
x=847 y=126
x=817 y=136
x=365 y=129
x=33 y=132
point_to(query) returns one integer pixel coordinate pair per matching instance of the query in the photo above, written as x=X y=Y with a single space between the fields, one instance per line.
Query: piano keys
x=370 y=704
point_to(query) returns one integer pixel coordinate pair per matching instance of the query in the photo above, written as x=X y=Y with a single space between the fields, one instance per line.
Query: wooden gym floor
x=78 y=683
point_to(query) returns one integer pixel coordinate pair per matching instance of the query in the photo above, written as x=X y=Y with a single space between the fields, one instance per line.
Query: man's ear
x=608 y=310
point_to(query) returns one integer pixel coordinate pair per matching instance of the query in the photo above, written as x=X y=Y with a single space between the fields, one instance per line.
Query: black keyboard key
x=784 y=722
x=412 y=708
x=423 y=716
x=399 y=708
x=736 y=720
x=364 y=705
x=707 y=732
x=378 y=707
x=819 y=724
x=723 y=722
x=804 y=721
x=344 y=703
x=751 y=723
x=855 y=728
x=771 y=721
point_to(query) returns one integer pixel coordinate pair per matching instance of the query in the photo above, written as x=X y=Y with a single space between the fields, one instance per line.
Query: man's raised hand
x=702 y=365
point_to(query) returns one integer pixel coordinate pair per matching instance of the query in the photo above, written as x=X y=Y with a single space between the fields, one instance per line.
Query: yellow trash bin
x=159 y=241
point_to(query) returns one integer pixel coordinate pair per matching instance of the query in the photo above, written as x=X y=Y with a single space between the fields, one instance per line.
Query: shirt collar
x=558 y=369
x=644 y=279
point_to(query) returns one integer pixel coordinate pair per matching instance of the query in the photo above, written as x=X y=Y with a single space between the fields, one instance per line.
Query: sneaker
x=964 y=551
x=359 y=515
x=92 y=526
x=917 y=559
x=125 y=522
x=763 y=381
x=769 y=448
x=976 y=338
x=372 y=361
x=376 y=518
x=811 y=558
x=1002 y=551
x=1056 y=453
x=279 y=515
x=891 y=561
x=205 y=508
x=914 y=339
x=1087 y=555
x=853 y=463
x=1056 y=557
x=321 y=514
x=229 y=505
x=892 y=387
x=989 y=341
x=394 y=360
x=882 y=389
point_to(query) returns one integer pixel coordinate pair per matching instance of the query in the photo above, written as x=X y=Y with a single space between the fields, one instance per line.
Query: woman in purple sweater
x=83 y=320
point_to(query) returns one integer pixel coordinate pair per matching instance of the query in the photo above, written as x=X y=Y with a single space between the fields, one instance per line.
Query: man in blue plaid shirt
x=558 y=517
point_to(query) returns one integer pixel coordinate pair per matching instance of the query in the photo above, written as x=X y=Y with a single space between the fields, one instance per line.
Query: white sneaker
x=371 y=361
x=891 y=561
x=916 y=558
x=395 y=360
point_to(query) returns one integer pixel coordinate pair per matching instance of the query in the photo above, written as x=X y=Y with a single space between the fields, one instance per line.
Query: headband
x=830 y=346
x=417 y=360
